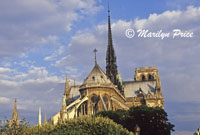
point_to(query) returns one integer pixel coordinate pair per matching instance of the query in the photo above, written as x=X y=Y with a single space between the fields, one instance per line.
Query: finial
x=95 y=51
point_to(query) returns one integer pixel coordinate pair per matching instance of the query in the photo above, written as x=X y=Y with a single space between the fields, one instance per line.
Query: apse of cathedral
x=105 y=90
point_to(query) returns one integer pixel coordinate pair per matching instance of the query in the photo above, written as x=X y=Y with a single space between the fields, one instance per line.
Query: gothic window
x=94 y=103
x=143 y=78
x=82 y=109
x=105 y=99
x=94 y=98
x=93 y=78
x=151 y=77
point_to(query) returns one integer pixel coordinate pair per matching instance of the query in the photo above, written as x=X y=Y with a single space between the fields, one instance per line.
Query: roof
x=131 y=88
x=74 y=94
x=74 y=91
x=97 y=76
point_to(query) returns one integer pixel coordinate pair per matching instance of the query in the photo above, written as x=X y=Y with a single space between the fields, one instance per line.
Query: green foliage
x=88 y=125
x=43 y=129
x=151 y=120
x=14 y=129
x=117 y=116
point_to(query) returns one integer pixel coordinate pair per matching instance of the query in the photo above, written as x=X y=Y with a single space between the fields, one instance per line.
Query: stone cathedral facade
x=102 y=91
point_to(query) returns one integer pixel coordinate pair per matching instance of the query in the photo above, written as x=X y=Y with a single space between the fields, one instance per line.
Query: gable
x=97 y=76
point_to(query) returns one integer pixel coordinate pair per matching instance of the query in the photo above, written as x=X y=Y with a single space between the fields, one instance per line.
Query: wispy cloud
x=33 y=23
x=4 y=100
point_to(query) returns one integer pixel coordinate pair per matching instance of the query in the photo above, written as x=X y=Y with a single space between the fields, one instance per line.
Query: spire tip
x=95 y=53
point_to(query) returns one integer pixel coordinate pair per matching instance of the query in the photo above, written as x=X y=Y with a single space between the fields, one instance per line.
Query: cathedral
x=105 y=90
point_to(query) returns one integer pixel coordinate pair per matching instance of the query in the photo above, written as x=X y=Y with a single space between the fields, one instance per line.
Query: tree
x=118 y=116
x=15 y=128
x=89 y=125
x=151 y=120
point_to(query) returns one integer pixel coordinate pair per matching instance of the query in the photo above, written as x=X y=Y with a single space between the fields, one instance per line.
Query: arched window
x=143 y=78
x=151 y=77
x=94 y=101
x=105 y=99
x=94 y=98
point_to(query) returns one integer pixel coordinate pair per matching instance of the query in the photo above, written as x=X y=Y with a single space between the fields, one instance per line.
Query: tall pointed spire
x=111 y=64
x=15 y=116
x=39 y=117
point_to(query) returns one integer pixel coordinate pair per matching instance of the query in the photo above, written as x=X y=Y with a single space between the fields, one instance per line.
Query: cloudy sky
x=42 y=40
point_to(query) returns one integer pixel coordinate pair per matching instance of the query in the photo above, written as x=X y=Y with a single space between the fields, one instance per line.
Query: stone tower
x=15 y=116
x=111 y=64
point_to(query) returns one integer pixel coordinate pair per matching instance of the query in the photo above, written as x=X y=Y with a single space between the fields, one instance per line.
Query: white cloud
x=4 y=100
x=5 y=70
x=32 y=89
x=33 y=23
x=169 y=20
x=57 y=53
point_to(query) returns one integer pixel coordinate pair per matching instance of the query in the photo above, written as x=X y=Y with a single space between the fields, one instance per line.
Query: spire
x=15 y=116
x=39 y=117
x=67 y=86
x=111 y=64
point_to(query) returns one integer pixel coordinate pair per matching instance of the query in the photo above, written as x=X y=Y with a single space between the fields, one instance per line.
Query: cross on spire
x=95 y=53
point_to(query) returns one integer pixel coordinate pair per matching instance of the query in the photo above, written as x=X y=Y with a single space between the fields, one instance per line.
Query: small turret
x=15 y=116
x=67 y=86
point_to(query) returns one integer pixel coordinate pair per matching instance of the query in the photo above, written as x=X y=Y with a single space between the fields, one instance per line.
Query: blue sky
x=41 y=41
